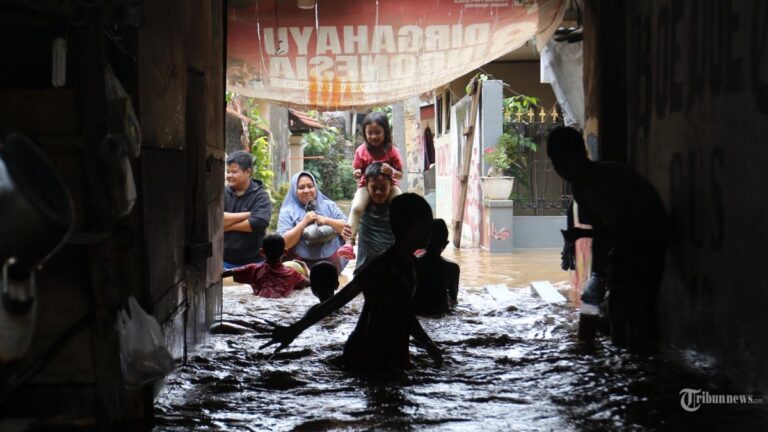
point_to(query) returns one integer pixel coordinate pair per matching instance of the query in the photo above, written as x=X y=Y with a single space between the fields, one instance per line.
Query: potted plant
x=516 y=148
x=515 y=144
x=496 y=185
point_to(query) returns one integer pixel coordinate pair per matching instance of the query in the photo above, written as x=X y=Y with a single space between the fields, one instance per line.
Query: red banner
x=371 y=52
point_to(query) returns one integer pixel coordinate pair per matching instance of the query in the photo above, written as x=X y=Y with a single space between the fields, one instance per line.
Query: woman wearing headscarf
x=312 y=233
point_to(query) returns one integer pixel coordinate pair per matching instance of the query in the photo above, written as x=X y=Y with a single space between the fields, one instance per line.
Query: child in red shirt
x=377 y=147
x=271 y=278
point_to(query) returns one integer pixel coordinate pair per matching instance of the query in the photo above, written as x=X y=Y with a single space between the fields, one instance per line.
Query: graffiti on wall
x=414 y=147
x=699 y=74
x=688 y=53
x=444 y=178
x=473 y=206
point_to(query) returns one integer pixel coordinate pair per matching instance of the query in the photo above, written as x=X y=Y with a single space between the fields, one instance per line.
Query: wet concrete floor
x=511 y=364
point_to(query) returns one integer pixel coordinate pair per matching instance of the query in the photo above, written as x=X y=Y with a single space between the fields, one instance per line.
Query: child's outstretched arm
x=285 y=335
x=418 y=333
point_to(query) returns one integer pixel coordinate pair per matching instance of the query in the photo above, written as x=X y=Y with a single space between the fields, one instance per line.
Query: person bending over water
x=380 y=339
x=630 y=230
x=438 y=278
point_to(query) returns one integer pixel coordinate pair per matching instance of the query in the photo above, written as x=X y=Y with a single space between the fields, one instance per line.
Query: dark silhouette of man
x=630 y=236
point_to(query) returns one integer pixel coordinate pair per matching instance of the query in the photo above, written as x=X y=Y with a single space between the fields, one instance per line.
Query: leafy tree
x=278 y=196
x=333 y=172
x=517 y=146
x=260 y=146
x=387 y=110
x=512 y=106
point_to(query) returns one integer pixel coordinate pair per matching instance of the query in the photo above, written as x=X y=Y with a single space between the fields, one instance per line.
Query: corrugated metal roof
x=306 y=119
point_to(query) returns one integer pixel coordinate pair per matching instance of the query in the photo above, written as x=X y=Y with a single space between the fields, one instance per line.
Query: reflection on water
x=510 y=365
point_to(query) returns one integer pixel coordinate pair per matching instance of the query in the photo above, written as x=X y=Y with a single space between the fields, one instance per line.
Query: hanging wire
x=505 y=86
x=262 y=71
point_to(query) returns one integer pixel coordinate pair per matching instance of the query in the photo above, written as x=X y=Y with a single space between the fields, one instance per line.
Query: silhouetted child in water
x=323 y=280
x=438 y=278
x=380 y=339
x=271 y=278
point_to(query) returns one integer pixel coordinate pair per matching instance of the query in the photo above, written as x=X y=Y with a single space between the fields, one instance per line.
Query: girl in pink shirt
x=377 y=147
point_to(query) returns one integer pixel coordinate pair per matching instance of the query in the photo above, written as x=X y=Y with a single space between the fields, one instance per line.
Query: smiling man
x=375 y=234
x=247 y=210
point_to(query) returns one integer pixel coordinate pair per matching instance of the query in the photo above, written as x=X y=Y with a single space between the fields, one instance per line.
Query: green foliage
x=498 y=159
x=472 y=85
x=519 y=104
x=319 y=141
x=262 y=158
x=387 y=110
x=255 y=115
x=333 y=172
x=347 y=182
x=515 y=148
x=260 y=146
x=278 y=196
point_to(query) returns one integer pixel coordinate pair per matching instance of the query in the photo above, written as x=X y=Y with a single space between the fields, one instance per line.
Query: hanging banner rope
x=343 y=54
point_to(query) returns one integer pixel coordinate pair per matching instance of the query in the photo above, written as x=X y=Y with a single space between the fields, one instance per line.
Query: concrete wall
x=697 y=102
x=521 y=76
x=538 y=232
x=281 y=137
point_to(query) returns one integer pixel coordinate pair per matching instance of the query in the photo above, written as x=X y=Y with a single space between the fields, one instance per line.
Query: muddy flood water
x=511 y=363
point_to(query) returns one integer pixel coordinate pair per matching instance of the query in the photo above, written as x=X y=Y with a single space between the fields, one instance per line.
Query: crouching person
x=380 y=339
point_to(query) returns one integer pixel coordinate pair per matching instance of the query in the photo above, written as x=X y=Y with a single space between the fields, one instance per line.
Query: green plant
x=258 y=137
x=514 y=105
x=498 y=159
x=260 y=149
x=319 y=141
x=333 y=171
x=515 y=147
x=278 y=196
x=387 y=110
x=347 y=182
x=470 y=88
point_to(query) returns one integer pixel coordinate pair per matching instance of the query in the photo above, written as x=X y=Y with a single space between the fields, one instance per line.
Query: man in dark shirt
x=247 y=211
x=630 y=230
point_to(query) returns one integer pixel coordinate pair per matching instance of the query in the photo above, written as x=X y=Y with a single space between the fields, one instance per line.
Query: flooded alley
x=511 y=363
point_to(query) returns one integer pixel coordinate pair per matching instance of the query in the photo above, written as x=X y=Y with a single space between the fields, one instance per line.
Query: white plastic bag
x=143 y=357
x=122 y=117
x=121 y=187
